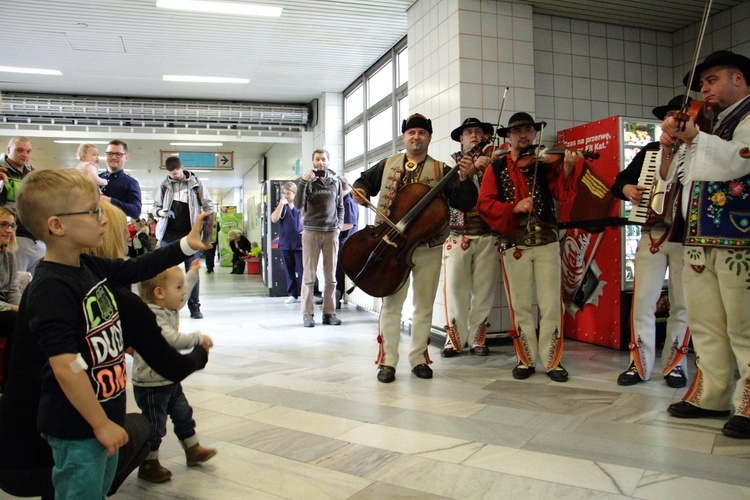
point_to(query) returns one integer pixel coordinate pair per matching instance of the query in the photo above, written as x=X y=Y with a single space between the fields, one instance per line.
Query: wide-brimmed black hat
x=718 y=58
x=487 y=128
x=416 y=121
x=520 y=120
x=674 y=104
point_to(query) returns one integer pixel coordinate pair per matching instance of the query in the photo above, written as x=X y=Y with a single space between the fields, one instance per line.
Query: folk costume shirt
x=505 y=184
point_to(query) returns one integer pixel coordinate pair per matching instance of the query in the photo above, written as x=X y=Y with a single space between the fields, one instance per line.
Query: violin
x=702 y=115
x=551 y=157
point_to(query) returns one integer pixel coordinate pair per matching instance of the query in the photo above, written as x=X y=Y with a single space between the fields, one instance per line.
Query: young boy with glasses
x=72 y=314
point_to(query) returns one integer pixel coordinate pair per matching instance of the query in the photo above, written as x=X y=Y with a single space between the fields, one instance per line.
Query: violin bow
x=496 y=142
x=691 y=75
x=384 y=217
x=533 y=181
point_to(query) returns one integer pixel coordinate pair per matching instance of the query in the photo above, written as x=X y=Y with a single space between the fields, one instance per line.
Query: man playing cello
x=386 y=178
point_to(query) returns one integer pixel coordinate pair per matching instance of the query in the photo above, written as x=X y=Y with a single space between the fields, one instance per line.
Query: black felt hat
x=520 y=120
x=718 y=58
x=487 y=128
x=674 y=104
x=416 y=121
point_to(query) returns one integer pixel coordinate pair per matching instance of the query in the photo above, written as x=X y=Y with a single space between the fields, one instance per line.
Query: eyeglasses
x=116 y=155
x=8 y=225
x=96 y=212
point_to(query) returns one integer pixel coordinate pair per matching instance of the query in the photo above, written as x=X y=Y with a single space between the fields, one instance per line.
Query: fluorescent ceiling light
x=79 y=141
x=30 y=71
x=202 y=79
x=217 y=144
x=234 y=8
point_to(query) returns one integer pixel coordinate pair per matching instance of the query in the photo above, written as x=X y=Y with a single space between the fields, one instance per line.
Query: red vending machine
x=597 y=261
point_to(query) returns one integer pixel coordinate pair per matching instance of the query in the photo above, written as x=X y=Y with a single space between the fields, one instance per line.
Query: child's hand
x=111 y=436
x=207 y=343
x=194 y=236
x=196 y=265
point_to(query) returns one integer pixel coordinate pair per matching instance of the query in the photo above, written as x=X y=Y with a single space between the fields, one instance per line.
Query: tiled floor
x=297 y=413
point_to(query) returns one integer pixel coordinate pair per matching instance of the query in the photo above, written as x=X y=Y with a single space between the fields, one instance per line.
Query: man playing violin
x=387 y=178
x=715 y=210
x=654 y=255
x=470 y=257
x=512 y=203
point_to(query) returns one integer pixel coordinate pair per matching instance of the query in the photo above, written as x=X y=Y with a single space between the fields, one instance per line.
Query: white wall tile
x=471 y=95
x=523 y=52
x=598 y=68
x=523 y=29
x=562 y=64
x=599 y=90
x=633 y=94
x=523 y=76
x=505 y=50
x=543 y=61
x=579 y=44
x=581 y=111
x=579 y=26
x=632 y=72
x=615 y=49
x=615 y=31
x=489 y=25
x=581 y=66
x=563 y=86
x=563 y=109
x=489 y=49
x=470 y=46
x=616 y=91
x=597 y=29
x=469 y=22
x=505 y=74
x=598 y=46
x=523 y=98
x=545 y=84
x=615 y=70
x=648 y=74
x=561 y=41
x=490 y=73
x=581 y=88
x=543 y=39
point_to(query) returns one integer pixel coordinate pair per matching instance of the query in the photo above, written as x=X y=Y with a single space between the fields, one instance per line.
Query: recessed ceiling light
x=234 y=8
x=217 y=144
x=79 y=141
x=30 y=71
x=202 y=79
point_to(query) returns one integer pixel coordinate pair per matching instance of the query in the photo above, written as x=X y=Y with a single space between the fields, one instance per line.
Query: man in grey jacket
x=177 y=203
x=321 y=203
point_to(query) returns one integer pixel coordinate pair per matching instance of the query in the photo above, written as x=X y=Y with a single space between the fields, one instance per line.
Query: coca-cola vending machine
x=597 y=254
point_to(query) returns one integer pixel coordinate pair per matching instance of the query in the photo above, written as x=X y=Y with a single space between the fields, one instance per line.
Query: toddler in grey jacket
x=156 y=396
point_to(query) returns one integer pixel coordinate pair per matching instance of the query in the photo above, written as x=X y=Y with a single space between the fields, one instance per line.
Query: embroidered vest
x=544 y=203
x=469 y=223
x=719 y=212
x=428 y=173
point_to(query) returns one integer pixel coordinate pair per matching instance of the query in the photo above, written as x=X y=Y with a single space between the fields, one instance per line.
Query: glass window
x=354 y=104
x=403 y=111
x=354 y=143
x=380 y=84
x=380 y=128
x=403 y=68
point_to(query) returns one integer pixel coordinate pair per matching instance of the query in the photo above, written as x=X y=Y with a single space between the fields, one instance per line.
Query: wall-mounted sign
x=219 y=161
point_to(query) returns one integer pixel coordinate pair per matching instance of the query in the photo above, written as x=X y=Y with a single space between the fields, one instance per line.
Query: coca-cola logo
x=573 y=262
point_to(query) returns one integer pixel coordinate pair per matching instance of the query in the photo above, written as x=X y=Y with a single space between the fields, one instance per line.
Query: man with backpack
x=178 y=201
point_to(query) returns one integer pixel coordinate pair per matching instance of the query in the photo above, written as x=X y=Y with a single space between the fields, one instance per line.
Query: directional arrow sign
x=192 y=159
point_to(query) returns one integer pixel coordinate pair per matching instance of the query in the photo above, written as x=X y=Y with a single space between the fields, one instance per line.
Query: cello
x=378 y=258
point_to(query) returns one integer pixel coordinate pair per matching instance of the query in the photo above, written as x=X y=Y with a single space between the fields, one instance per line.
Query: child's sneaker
x=153 y=472
x=197 y=454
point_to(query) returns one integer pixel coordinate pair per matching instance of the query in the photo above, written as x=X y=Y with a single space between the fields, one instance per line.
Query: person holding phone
x=178 y=201
x=320 y=200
